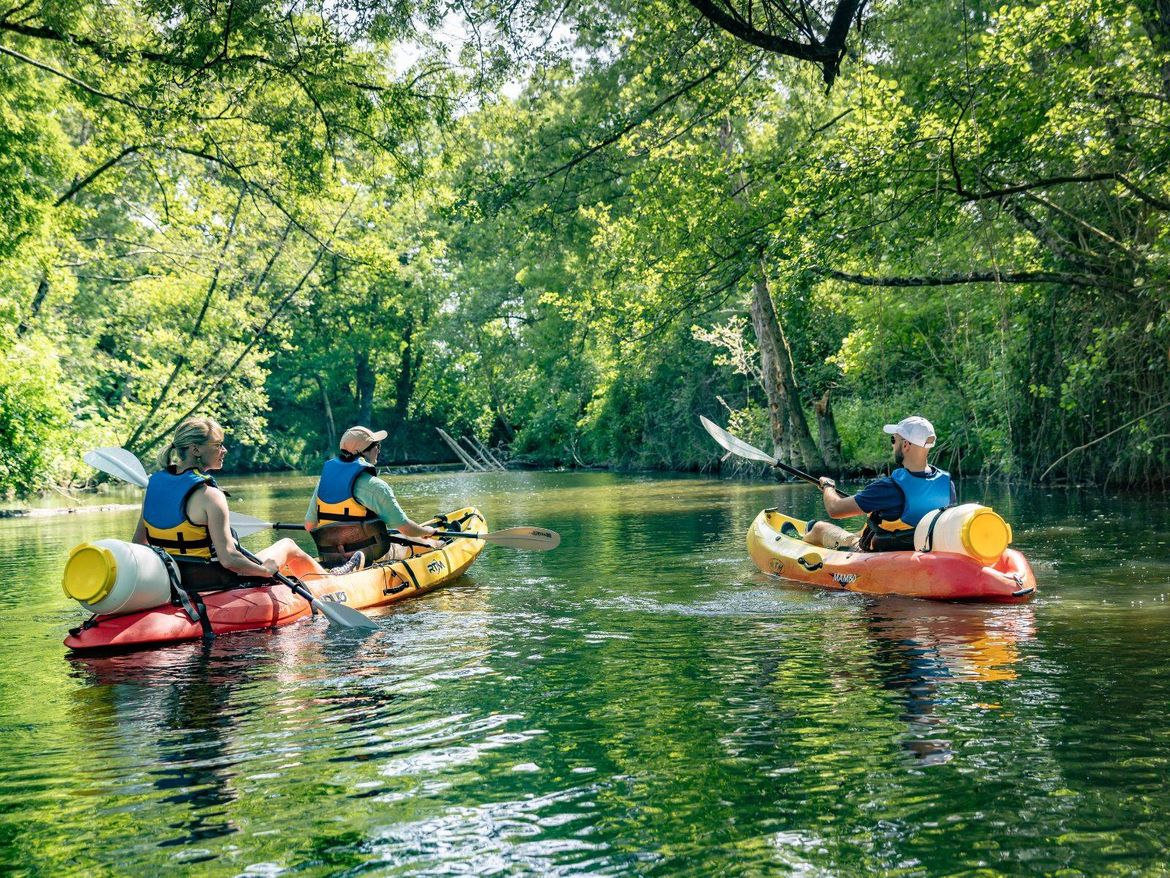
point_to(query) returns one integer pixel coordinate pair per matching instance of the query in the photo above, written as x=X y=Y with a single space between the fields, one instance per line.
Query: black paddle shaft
x=793 y=471
x=800 y=474
x=278 y=576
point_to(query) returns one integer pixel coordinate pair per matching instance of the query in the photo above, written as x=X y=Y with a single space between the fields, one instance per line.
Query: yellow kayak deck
x=389 y=581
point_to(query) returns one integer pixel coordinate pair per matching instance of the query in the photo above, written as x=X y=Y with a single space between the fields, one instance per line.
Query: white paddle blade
x=246 y=525
x=537 y=539
x=346 y=617
x=734 y=445
x=119 y=463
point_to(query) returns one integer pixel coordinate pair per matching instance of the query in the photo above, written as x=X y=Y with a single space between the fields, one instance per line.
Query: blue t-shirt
x=884 y=497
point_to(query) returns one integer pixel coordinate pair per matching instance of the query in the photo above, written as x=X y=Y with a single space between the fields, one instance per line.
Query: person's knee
x=286 y=547
x=397 y=553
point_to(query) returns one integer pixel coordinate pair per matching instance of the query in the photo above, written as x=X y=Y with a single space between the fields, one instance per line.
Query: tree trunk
x=365 y=388
x=791 y=440
x=330 y=425
x=765 y=324
x=404 y=386
x=1156 y=18
x=502 y=426
x=794 y=443
x=830 y=438
x=37 y=302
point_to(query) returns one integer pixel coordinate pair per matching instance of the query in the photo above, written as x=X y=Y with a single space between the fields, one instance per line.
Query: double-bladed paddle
x=735 y=445
x=121 y=464
x=537 y=539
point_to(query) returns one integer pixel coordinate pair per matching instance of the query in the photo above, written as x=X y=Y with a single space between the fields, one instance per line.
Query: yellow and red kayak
x=274 y=606
x=934 y=575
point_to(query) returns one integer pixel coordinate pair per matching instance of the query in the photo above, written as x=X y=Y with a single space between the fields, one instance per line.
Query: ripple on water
x=549 y=834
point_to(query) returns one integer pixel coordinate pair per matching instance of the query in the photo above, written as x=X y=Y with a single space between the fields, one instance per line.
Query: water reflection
x=923 y=648
x=637 y=702
x=186 y=695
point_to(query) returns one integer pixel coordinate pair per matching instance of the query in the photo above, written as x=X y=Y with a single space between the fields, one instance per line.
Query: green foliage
x=34 y=415
x=245 y=210
x=33 y=155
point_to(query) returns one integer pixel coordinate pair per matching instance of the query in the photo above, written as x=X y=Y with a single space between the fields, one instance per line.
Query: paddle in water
x=123 y=465
x=338 y=614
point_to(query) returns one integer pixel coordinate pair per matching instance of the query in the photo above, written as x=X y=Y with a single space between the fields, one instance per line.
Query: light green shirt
x=372 y=493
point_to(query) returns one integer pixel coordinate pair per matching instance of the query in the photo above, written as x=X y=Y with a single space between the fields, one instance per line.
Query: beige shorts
x=840 y=539
x=398 y=552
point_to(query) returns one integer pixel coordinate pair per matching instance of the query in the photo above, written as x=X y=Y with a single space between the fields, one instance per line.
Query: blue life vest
x=923 y=493
x=164 y=512
x=335 y=499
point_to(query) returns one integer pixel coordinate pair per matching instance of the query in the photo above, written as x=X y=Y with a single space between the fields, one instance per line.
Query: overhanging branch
x=825 y=52
x=978 y=277
x=97 y=172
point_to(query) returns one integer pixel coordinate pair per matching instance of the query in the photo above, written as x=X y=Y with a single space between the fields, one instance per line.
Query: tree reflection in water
x=181 y=701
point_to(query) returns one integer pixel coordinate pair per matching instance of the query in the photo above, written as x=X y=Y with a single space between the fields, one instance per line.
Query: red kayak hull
x=274 y=606
x=241 y=610
x=933 y=575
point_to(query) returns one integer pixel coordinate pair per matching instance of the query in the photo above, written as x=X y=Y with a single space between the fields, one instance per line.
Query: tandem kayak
x=935 y=575
x=246 y=609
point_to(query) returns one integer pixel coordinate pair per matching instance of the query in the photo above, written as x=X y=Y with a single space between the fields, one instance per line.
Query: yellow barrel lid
x=985 y=534
x=90 y=573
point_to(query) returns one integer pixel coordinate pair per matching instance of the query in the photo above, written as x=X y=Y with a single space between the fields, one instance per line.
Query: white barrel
x=113 y=577
x=971 y=529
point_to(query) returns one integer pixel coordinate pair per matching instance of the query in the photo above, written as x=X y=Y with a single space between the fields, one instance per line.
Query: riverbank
x=48 y=512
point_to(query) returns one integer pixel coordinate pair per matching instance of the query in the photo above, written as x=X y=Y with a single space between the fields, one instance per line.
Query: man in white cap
x=893 y=504
x=350 y=504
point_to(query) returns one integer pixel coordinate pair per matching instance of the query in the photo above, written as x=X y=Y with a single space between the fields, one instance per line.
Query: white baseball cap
x=355 y=440
x=915 y=430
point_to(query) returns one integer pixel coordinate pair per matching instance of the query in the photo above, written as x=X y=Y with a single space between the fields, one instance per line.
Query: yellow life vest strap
x=185 y=541
x=346 y=510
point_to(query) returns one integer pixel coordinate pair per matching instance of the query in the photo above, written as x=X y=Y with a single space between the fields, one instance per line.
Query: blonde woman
x=185 y=514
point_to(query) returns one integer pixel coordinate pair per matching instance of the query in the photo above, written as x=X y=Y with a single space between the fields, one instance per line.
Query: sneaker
x=356 y=562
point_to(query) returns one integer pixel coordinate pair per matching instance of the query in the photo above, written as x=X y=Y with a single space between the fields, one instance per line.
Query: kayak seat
x=336 y=543
x=197 y=575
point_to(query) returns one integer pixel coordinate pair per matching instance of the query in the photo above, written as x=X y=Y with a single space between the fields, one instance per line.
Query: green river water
x=639 y=701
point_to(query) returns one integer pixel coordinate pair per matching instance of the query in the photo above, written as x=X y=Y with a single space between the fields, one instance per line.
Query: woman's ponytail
x=164 y=456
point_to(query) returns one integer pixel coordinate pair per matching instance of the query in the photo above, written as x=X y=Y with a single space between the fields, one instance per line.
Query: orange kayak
x=933 y=575
x=247 y=609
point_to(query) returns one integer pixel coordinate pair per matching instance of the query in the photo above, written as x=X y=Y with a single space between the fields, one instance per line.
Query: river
x=639 y=701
